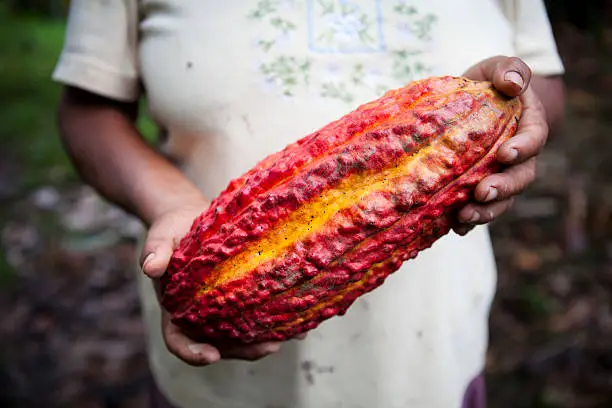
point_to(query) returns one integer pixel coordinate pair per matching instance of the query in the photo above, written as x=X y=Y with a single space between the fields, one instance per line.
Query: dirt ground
x=71 y=334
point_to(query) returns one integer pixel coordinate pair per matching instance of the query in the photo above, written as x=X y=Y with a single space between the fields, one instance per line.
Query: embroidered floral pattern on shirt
x=286 y=72
x=282 y=71
x=340 y=27
x=414 y=23
x=415 y=29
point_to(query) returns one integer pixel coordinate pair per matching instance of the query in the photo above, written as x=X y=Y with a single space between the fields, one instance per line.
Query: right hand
x=495 y=194
x=162 y=239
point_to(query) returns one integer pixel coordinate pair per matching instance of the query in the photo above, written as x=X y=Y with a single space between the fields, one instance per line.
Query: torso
x=233 y=81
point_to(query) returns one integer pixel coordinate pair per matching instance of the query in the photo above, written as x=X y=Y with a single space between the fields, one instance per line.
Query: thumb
x=156 y=255
x=509 y=75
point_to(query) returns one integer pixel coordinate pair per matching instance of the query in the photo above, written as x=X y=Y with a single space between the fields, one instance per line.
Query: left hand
x=163 y=237
x=495 y=194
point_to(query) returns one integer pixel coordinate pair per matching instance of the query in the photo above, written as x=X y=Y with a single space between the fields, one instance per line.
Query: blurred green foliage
x=54 y=8
x=30 y=45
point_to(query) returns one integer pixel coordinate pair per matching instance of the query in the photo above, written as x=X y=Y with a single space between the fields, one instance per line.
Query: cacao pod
x=309 y=229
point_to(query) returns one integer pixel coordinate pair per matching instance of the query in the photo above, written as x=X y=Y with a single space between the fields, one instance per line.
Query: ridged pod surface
x=298 y=238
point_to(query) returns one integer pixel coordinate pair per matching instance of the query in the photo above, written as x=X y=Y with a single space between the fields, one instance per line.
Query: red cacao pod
x=298 y=238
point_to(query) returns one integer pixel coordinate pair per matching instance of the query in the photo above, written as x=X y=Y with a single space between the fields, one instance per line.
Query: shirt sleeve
x=100 y=49
x=534 y=41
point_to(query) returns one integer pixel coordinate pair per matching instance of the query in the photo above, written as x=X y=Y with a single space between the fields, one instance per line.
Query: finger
x=463 y=229
x=531 y=135
x=251 y=352
x=156 y=255
x=509 y=75
x=500 y=186
x=195 y=354
x=482 y=214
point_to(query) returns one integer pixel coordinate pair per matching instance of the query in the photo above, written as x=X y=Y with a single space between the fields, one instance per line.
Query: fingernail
x=515 y=78
x=464 y=229
x=512 y=154
x=491 y=194
x=195 y=348
x=273 y=348
x=475 y=217
x=148 y=259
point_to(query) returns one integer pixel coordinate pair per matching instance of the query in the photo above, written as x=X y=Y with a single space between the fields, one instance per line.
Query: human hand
x=495 y=194
x=163 y=237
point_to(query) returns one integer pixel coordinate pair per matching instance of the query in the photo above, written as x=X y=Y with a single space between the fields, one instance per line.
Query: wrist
x=156 y=207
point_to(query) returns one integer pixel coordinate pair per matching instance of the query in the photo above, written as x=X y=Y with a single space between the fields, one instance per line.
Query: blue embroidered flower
x=340 y=27
x=345 y=28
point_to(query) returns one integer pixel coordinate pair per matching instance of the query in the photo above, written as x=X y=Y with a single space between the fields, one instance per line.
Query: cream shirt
x=233 y=81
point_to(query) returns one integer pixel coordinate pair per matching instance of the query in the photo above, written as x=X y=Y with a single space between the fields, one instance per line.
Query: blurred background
x=70 y=334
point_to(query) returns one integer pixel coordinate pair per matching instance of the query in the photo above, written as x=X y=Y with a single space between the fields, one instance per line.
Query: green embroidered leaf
x=336 y=91
x=283 y=25
x=358 y=74
x=403 y=8
x=263 y=8
x=286 y=72
x=328 y=7
x=266 y=45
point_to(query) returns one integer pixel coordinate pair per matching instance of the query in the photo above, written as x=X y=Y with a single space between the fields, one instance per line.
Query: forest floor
x=71 y=334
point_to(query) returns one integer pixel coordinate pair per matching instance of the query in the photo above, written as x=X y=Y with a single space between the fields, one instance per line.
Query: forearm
x=111 y=156
x=551 y=92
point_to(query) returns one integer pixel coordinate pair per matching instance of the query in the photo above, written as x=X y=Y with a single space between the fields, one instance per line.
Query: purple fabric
x=475 y=395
